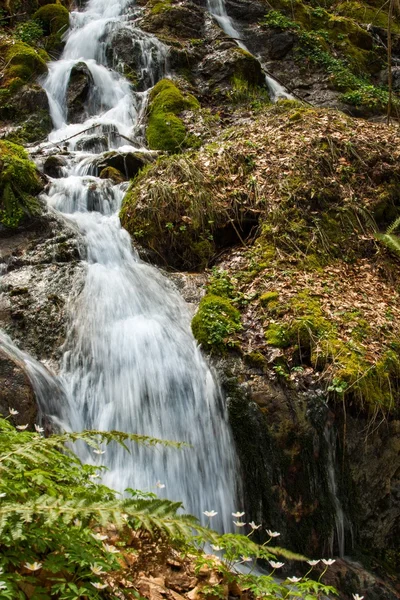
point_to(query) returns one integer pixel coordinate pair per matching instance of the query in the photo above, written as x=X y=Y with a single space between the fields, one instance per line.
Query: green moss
x=215 y=323
x=277 y=335
x=364 y=12
x=54 y=19
x=34 y=128
x=165 y=130
x=316 y=341
x=23 y=62
x=268 y=298
x=339 y=45
x=112 y=173
x=19 y=183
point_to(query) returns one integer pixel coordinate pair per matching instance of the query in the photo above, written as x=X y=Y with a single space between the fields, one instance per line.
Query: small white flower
x=125 y=516
x=22 y=427
x=111 y=549
x=1 y=570
x=99 y=586
x=238 y=514
x=77 y=523
x=33 y=566
x=160 y=485
x=3 y=494
x=246 y=558
x=12 y=411
x=3 y=585
x=39 y=429
x=210 y=513
x=239 y=523
x=275 y=565
x=294 y=579
x=328 y=561
x=96 y=569
x=313 y=562
x=98 y=536
x=357 y=597
x=273 y=533
x=216 y=548
x=254 y=526
x=99 y=451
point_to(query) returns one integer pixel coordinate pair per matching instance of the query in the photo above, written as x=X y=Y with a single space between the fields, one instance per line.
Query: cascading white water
x=48 y=390
x=130 y=361
x=217 y=10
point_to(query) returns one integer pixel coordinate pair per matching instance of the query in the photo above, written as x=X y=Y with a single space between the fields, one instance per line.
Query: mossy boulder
x=23 y=64
x=165 y=130
x=175 y=209
x=55 y=21
x=19 y=185
x=23 y=103
x=111 y=173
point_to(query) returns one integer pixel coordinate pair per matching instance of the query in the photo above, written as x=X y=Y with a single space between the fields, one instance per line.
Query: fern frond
x=393 y=226
x=391 y=241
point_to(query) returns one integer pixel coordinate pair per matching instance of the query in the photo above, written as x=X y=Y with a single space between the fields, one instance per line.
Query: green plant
x=53 y=515
x=390 y=239
x=275 y=18
x=216 y=322
x=29 y=31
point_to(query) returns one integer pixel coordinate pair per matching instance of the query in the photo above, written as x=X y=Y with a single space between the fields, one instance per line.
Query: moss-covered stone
x=113 y=174
x=215 y=323
x=23 y=64
x=55 y=21
x=19 y=184
x=165 y=130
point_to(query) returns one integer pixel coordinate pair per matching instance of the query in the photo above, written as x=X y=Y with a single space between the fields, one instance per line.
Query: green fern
x=53 y=515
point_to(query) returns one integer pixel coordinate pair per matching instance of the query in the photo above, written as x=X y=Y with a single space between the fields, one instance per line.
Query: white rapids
x=217 y=10
x=130 y=361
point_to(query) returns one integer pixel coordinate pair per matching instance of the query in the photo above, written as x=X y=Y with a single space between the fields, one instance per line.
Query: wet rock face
x=185 y=21
x=376 y=474
x=78 y=92
x=53 y=166
x=16 y=391
x=40 y=268
x=131 y=49
x=126 y=163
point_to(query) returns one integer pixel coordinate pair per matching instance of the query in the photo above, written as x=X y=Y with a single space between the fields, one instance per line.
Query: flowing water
x=130 y=361
x=217 y=10
x=342 y=523
x=48 y=390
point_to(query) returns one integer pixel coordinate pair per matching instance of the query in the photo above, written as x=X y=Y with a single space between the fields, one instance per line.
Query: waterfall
x=47 y=389
x=217 y=10
x=130 y=361
x=341 y=521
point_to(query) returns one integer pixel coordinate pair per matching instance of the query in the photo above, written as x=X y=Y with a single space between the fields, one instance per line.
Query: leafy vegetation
x=56 y=524
x=338 y=45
